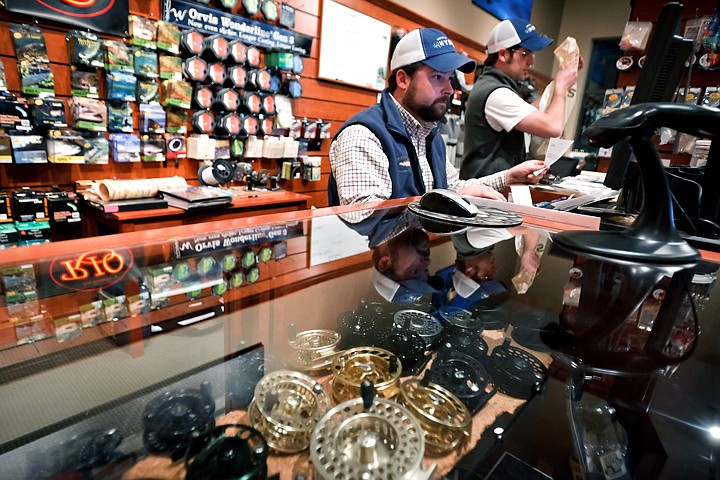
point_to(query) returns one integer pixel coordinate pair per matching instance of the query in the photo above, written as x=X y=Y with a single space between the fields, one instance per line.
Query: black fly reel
x=87 y=451
x=243 y=374
x=171 y=418
x=516 y=372
x=356 y=329
x=455 y=319
x=231 y=451
x=406 y=344
x=469 y=342
x=492 y=316
x=427 y=326
x=464 y=376
x=529 y=328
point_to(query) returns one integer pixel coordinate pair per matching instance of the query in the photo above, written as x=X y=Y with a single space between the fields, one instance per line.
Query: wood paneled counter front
x=245 y=204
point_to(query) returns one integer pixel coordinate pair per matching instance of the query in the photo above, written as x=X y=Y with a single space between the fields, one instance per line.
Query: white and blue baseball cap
x=433 y=48
x=514 y=32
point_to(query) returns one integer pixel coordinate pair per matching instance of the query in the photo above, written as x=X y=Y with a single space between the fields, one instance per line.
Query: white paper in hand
x=556 y=148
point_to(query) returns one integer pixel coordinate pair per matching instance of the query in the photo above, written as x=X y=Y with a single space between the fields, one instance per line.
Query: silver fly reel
x=376 y=365
x=313 y=350
x=445 y=420
x=369 y=439
x=286 y=407
x=418 y=321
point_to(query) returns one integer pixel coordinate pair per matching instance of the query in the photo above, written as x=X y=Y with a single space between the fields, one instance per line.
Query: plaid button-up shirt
x=360 y=165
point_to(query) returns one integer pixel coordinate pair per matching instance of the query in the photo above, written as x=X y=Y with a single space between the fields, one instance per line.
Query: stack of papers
x=592 y=192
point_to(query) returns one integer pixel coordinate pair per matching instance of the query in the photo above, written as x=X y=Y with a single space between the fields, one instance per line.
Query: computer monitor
x=658 y=82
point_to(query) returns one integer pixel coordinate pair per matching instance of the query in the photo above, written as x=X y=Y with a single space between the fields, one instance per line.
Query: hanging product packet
x=85 y=49
x=636 y=35
x=36 y=77
x=567 y=53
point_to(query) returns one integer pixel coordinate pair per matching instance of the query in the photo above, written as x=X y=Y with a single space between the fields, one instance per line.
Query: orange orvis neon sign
x=95 y=269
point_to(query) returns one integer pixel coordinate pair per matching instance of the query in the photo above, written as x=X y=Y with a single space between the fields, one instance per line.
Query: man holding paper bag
x=497 y=118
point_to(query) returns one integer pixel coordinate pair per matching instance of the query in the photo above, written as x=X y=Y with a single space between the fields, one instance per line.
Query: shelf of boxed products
x=63 y=298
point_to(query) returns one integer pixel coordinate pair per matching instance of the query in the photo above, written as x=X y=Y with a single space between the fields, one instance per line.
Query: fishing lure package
x=152 y=148
x=118 y=57
x=120 y=117
x=28 y=149
x=96 y=148
x=146 y=63
x=148 y=91
x=176 y=120
x=65 y=146
x=152 y=118
x=48 y=112
x=84 y=83
x=124 y=147
x=88 y=114
x=143 y=31
x=170 y=66
x=36 y=77
x=176 y=93
x=168 y=37
x=121 y=86
x=85 y=49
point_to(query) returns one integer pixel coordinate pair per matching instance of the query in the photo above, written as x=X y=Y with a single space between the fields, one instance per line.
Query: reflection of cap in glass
x=477 y=241
x=516 y=31
x=407 y=291
x=431 y=47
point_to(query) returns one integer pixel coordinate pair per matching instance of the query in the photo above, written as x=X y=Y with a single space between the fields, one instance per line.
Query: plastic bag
x=566 y=53
x=635 y=36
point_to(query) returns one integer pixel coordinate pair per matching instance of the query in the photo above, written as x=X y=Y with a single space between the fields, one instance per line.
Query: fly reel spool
x=369 y=438
x=351 y=367
x=464 y=376
x=171 y=418
x=313 y=350
x=445 y=420
x=229 y=451
x=469 y=342
x=516 y=372
x=459 y=319
x=418 y=321
x=286 y=407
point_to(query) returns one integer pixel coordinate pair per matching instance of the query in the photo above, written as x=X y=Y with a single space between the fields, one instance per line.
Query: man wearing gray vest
x=496 y=117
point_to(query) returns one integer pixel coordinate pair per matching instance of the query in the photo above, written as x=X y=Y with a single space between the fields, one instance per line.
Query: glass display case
x=352 y=344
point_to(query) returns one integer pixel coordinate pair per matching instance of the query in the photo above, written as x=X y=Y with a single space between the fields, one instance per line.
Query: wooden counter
x=245 y=204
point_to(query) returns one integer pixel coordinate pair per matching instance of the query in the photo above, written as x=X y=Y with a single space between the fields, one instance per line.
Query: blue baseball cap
x=433 y=48
x=513 y=32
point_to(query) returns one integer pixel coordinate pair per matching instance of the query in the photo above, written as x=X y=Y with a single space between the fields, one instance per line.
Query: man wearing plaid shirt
x=393 y=149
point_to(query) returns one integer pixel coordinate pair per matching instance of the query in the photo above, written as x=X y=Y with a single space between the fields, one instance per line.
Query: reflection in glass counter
x=414 y=296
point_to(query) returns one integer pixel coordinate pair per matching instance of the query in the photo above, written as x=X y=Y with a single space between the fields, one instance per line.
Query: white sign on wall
x=354 y=47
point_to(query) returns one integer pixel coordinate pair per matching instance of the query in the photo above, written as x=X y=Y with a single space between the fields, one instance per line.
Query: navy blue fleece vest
x=384 y=121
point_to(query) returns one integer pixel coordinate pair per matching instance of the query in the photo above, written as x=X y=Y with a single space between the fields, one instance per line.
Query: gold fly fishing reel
x=369 y=438
x=285 y=409
x=313 y=350
x=445 y=420
x=377 y=365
